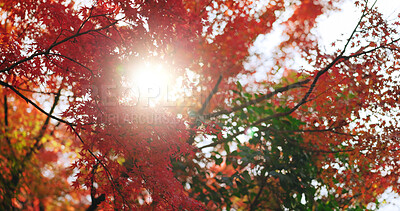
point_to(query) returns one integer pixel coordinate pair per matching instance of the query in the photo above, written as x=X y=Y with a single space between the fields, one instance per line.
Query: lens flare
x=153 y=82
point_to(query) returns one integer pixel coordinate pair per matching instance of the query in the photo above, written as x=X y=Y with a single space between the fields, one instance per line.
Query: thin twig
x=207 y=101
x=201 y=111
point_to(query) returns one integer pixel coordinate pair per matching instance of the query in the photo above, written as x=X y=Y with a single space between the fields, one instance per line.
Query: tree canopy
x=154 y=104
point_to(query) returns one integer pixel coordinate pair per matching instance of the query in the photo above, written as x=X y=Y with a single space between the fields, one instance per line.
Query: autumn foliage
x=81 y=129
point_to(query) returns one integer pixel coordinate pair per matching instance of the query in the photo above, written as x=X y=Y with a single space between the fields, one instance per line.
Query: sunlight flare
x=149 y=75
x=153 y=83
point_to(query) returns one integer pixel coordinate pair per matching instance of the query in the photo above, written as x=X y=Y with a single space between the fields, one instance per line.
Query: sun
x=150 y=75
x=153 y=82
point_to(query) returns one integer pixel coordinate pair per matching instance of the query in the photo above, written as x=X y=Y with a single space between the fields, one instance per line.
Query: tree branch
x=310 y=131
x=254 y=204
x=95 y=200
x=207 y=101
x=259 y=100
x=32 y=103
x=318 y=75
x=109 y=175
x=280 y=131
x=371 y=50
x=36 y=92
x=201 y=110
x=5 y=107
x=42 y=131
x=47 y=51
x=331 y=151
x=309 y=91
x=72 y=60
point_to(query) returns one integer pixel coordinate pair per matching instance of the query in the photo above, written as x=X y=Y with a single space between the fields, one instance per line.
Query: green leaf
x=246 y=176
x=227 y=149
x=218 y=161
x=239 y=86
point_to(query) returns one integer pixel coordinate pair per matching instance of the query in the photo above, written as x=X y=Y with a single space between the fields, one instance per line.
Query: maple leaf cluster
x=69 y=109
